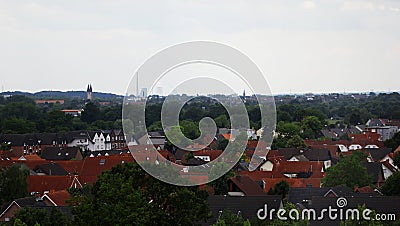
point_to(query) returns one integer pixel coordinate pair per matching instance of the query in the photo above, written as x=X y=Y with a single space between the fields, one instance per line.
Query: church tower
x=89 y=95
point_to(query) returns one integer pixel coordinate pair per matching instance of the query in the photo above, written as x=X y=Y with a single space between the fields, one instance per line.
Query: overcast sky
x=301 y=46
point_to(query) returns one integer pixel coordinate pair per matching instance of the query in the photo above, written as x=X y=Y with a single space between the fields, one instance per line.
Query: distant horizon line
x=274 y=94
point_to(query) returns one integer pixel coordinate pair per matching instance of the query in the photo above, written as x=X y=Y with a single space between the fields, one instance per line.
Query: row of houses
x=85 y=140
x=379 y=129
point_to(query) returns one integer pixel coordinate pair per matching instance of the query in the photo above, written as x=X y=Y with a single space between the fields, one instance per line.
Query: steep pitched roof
x=374 y=169
x=378 y=154
x=247 y=185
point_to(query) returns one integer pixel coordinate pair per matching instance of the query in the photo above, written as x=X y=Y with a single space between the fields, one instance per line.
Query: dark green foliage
x=392 y=185
x=13 y=183
x=296 y=142
x=281 y=188
x=394 y=142
x=396 y=160
x=362 y=221
x=348 y=171
x=32 y=216
x=220 y=185
x=230 y=219
x=127 y=195
x=90 y=113
x=222 y=143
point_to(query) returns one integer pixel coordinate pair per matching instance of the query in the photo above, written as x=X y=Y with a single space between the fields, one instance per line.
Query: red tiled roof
x=71 y=166
x=293 y=182
x=29 y=157
x=212 y=153
x=47 y=183
x=31 y=164
x=366 y=189
x=226 y=136
x=94 y=166
x=58 y=197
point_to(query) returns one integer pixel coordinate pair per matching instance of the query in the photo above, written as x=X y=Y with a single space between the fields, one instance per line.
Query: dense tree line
x=19 y=114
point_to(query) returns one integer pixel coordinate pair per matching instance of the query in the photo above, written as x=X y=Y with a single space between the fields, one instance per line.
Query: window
x=102 y=162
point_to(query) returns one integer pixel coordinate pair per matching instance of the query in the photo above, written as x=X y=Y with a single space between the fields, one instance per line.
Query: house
x=118 y=139
x=157 y=139
x=31 y=202
x=17 y=204
x=78 y=139
x=384 y=127
x=73 y=112
x=99 y=141
x=47 y=102
x=244 y=206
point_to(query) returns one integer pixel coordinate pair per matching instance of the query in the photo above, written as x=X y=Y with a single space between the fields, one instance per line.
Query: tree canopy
x=348 y=171
x=13 y=183
x=127 y=195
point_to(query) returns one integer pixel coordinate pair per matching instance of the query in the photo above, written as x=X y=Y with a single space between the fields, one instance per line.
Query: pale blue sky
x=301 y=46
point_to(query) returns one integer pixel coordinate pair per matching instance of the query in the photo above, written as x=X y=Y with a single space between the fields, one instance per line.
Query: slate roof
x=303 y=196
x=51 y=169
x=59 y=153
x=378 y=154
x=374 y=169
x=311 y=153
x=246 y=206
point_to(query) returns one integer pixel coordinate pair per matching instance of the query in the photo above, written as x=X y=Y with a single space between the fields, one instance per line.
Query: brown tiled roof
x=247 y=185
x=71 y=166
x=94 y=166
x=58 y=197
x=48 y=183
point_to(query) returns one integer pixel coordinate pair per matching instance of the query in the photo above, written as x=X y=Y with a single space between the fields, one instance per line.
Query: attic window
x=67 y=153
x=122 y=162
x=102 y=162
x=59 y=153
